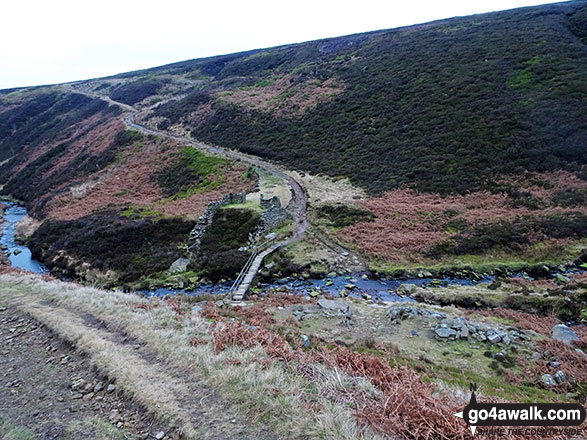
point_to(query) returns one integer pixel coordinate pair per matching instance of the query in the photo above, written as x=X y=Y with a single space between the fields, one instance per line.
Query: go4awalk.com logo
x=533 y=419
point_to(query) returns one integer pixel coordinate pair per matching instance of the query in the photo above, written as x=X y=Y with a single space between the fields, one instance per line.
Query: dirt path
x=299 y=201
x=35 y=355
x=37 y=371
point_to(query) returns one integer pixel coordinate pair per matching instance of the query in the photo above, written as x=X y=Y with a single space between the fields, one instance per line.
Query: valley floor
x=279 y=366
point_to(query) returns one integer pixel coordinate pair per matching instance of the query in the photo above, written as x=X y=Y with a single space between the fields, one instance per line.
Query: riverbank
x=285 y=365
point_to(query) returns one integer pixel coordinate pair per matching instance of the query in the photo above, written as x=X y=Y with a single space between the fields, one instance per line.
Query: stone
x=406 y=289
x=314 y=293
x=179 y=266
x=334 y=306
x=16 y=252
x=160 y=435
x=536 y=356
x=445 y=332
x=305 y=340
x=99 y=387
x=559 y=377
x=548 y=380
x=78 y=384
x=196 y=309
x=494 y=338
x=415 y=333
x=114 y=416
x=500 y=357
x=564 y=334
x=464 y=333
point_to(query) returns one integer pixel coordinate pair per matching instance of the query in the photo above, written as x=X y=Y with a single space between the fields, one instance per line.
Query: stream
x=359 y=284
x=19 y=255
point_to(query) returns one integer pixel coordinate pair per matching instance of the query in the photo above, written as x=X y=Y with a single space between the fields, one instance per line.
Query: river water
x=362 y=283
x=19 y=255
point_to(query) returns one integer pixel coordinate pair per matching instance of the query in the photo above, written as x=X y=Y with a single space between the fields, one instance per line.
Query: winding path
x=299 y=200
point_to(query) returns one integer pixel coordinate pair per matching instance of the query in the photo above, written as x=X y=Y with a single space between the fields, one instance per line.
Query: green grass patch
x=13 y=432
x=134 y=212
x=192 y=172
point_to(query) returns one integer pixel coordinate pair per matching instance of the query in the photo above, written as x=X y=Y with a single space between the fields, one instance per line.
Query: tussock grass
x=167 y=374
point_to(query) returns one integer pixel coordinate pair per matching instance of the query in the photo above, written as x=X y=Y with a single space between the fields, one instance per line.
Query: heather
x=414 y=227
x=448 y=107
x=123 y=247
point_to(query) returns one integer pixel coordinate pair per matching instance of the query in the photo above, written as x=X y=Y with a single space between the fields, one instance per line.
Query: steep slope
x=465 y=138
x=117 y=205
x=444 y=107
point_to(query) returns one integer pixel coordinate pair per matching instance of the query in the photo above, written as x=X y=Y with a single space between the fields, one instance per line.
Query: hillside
x=463 y=142
x=444 y=107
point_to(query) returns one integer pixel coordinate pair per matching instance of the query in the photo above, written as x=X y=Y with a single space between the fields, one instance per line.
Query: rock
x=179 y=266
x=564 y=334
x=548 y=380
x=305 y=340
x=415 y=333
x=270 y=265
x=160 y=435
x=500 y=357
x=367 y=296
x=78 y=384
x=76 y=396
x=314 y=293
x=494 y=338
x=349 y=286
x=114 y=416
x=445 y=332
x=111 y=388
x=328 y=283
x=464 y=333
x=559 y=377
x=536 y=356
x=99 y=387
x=333 y=306
x=196 y=309
x=16 y=252
x=89 y=396
x=561 y=278
x=406 y=289
x=554 y=364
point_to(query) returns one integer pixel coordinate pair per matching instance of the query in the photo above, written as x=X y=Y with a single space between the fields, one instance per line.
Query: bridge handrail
x=249 y=263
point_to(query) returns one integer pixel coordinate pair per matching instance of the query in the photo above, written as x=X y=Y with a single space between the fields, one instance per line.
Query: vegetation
x=448 y=107
x=340 y=216
x=219 y=255
x=108 y=241
x=514 y=235
x=192 y=171
x=135 y=91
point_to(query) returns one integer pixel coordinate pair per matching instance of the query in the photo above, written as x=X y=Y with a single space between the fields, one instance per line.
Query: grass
x=539 y=254
x=136 y=212
x=13 y=432
x=96 y=429
x=267 y=396
x=253 y=206
x=191 y=173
